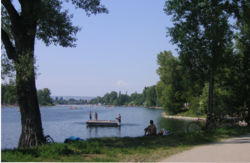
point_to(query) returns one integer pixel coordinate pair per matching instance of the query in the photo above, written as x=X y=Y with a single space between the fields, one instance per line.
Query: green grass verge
x=120 y=149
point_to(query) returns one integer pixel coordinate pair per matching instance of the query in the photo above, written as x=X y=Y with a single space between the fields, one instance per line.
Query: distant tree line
x=147 y=98
x=71 y=101
x=44 y=97
x=9 y=96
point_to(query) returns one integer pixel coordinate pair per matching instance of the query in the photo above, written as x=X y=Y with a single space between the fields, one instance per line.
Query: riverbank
x=125 y=149
x=136 y=106
x=8 y=106
x=164 y=115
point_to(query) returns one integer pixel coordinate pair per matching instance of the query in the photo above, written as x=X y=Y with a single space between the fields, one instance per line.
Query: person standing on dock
x=119 y=118
x=90 y=115
x=96 y=116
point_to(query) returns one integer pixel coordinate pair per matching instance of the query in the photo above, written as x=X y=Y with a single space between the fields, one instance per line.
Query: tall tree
x=202 y=33
x=171 y=85
x=242 y=13
x=150 y=96
x=45 y=20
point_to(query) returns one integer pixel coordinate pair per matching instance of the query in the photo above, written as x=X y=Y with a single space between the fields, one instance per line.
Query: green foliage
x=25 y=67
x=243 y=47
x=54 y=25
x=7 y=67
x=159 y=91
x=201 y=31
x=148 y=98
x=8 y=93
x=204 y=37
x=122 y=99
x=44 y=97
x=70 y=101
x=171 y=87
x=109 y=98
x=206 y=55
x=137 y=99
x=203 y=100
x=112 y=99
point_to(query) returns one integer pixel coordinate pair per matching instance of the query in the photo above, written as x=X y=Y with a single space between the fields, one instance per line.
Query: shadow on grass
x=150 y=142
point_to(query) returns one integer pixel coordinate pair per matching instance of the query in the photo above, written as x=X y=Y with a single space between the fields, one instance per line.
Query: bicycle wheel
x=193 y=127
x=49 y=140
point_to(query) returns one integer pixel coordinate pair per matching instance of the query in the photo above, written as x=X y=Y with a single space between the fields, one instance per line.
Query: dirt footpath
x=228 y=150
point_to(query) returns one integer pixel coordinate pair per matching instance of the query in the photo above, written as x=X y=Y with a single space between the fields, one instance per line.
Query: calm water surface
x=61 y=122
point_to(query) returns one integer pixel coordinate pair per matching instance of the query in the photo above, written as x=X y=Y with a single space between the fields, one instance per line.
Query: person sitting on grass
x=151 y=129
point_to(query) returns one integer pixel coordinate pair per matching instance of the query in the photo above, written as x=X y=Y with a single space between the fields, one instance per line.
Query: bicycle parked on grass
x=196 y=126
x=200 y=124
x=49 y=139
x=31 y=136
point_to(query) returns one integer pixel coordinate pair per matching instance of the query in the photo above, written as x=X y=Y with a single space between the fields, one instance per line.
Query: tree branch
x=30 y=8
x=10 y=49
x=11 y=11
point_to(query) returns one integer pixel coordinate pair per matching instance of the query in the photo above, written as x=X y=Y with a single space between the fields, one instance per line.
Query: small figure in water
x=96 y=116
x=151 y=129
x=119 y=118
x=90 y=115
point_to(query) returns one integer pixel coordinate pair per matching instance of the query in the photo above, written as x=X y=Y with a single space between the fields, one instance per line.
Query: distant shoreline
x=151 y=107
x=17 y=106
x=9 y=106
x=139 y=106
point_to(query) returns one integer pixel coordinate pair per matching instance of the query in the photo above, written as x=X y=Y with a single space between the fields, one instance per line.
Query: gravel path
x=228 y=150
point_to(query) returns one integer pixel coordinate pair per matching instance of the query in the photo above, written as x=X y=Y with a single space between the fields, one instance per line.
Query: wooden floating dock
x=106 y=123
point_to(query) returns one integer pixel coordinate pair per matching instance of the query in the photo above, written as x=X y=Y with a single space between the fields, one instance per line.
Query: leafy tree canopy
x=54 y=25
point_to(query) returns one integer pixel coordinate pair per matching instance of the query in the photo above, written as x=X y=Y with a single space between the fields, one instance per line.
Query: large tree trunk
x=246 y=69
x=210 y=100
x=21 y=51
x=32 y=132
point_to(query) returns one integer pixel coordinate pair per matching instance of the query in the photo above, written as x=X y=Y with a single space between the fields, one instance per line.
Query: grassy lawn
x=120 y=149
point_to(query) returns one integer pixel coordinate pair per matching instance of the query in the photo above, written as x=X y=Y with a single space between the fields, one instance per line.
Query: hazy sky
x=115 y=51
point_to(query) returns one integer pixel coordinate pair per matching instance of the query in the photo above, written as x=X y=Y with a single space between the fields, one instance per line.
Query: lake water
x=61 y=122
